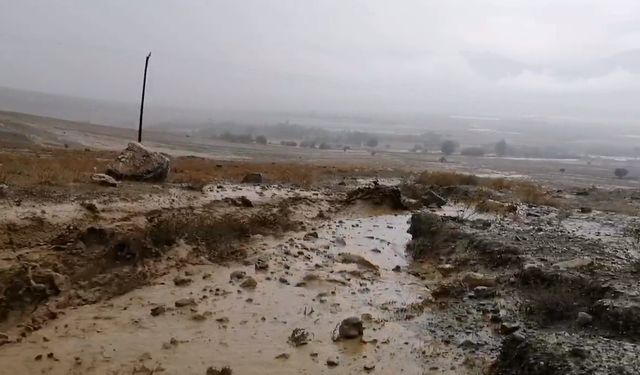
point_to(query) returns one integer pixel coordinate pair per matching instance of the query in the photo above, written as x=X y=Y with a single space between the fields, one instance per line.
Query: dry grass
x=523 y=191
x=51 y=167
x=60 y=167
x=444 y=178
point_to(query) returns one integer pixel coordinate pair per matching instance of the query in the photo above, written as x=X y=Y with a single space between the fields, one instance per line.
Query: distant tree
x=261 y=140
x=324 y=146
x=620 y=172
x=372 y=142
x=308 y=144
x=501 y=148
x=289 y=143
x=472 y=151
x=448 y=147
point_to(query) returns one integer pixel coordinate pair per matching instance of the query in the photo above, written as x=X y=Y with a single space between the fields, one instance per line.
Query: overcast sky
x=562 y=58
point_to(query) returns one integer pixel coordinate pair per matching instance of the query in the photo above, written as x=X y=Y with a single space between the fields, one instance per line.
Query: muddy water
x=307 y=285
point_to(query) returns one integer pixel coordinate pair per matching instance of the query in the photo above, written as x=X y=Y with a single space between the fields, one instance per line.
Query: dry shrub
x=524 y=191
x=443 y=178
x=217 y=234
x=494 y=207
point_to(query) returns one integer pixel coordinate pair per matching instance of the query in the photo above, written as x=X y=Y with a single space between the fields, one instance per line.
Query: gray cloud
x=573 y=58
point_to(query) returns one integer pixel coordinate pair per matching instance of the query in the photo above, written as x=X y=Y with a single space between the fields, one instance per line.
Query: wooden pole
x=144 y=85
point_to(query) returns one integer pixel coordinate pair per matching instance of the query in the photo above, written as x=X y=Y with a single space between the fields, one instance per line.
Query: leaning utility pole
x=144 y=85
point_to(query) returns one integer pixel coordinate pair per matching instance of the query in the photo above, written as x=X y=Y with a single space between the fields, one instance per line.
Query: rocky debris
x=574 y=263
x=89 y=206
x=565 y=354
x=397 y=268
x=509 y=328
x=445 y=269
x=183 y=302
x=283 y=356
x=586 y=210
x=379 y=195
x=310 y=236
x=333 y=361
x=348 y=258
x=180 y=280
x=262 y=263
x=222 y=371
x=349 y=328
x=253 y=178
x=583 y=319
x=237 y=275
x=240 y=201
x=158 y=310
x=104 y=179
x=475 y=279
x=431 y=198
x=249 y=283
x=4 y=190
x=299 y=337
x=619 y=316
x=368 y=367
x=138 y=163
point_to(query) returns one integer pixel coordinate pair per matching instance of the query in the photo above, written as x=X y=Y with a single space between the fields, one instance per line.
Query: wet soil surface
x=539 y=291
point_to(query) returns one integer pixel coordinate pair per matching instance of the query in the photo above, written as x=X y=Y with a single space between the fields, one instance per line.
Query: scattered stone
x=369 y=367
x=249 y=283
x=299 y=337
x=198 y=317
x=4 y=190
x=584 y=319
x=397 y=268
x=509 y=328
x=158 y=310
x=432 y=198
x=586 y=210
x=474 y=279
x=222 y=371
x=484 y=292
x=574 y=263
x=445 y=269
x=262 y=263
x=310 y=236
x=181 y=280
x=138 y=163
x=104 y=179
x=244 y=202
x=183 y=302
x=350 y=328
x=253 y=178
x=348 y=258
x=237 y=275
x=283 y=356
x=333 y=361
x=89 y=206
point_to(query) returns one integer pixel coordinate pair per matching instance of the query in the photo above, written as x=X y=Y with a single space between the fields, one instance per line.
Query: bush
x=261 y=140
x=501 y=148
x=324 y=146
x=372 y=142
x=448 y=147
x=289 y=143
x=620 y=172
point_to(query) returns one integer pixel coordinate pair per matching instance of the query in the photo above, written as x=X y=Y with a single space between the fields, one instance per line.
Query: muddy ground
x=447 y=274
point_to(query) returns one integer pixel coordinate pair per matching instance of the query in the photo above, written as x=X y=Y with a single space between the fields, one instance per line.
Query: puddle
x=248 y=329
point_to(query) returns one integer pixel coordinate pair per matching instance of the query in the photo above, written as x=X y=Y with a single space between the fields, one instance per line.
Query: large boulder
x=138 y=163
